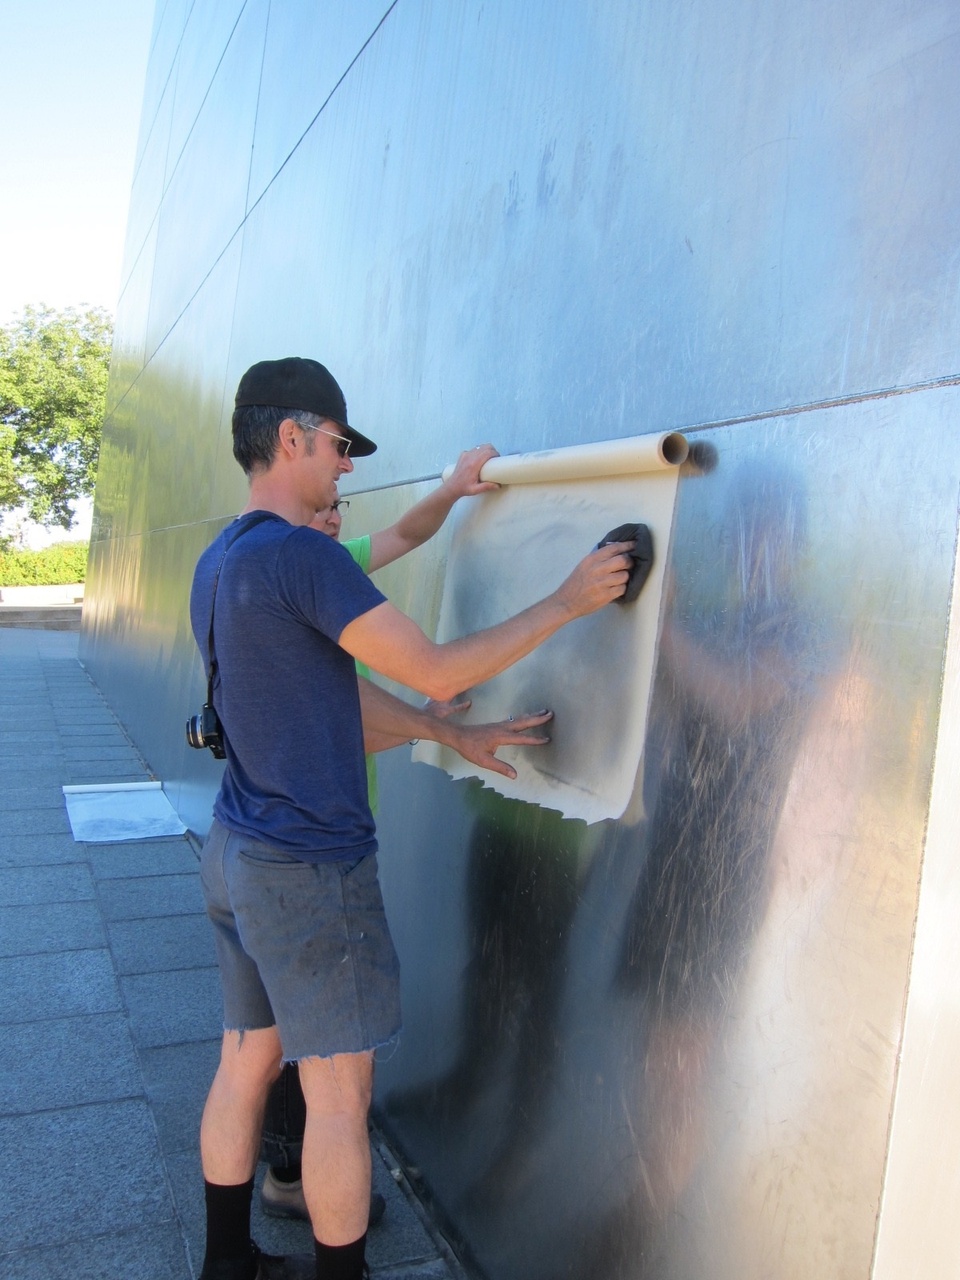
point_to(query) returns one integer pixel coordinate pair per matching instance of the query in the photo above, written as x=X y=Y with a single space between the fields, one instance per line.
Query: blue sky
x=72 y=91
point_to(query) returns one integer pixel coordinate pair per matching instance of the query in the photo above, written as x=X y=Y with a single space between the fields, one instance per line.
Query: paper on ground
x=105 y=813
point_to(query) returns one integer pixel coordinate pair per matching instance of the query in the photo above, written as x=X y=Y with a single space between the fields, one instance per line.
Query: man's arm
x=389 y=722
x=422 y=521
x=391 y=643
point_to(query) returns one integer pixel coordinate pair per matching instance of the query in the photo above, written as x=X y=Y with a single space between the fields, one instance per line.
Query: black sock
x=287 y=1172
x=340 y=1261
x=228 y=1220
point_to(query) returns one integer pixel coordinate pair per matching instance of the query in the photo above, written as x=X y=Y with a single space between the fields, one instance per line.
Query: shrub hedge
x=57 y=565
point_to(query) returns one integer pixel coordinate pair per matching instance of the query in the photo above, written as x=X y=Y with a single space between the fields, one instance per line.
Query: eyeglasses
x=343 y=444
x=340 y=505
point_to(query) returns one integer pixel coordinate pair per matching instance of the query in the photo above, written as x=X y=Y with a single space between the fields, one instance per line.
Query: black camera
x=204 y=731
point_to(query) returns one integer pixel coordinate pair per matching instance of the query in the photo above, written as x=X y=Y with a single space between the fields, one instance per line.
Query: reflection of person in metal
x=734 y=690
x=521 y=893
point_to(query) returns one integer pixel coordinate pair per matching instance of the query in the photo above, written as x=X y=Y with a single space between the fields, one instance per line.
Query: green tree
x=53 y=385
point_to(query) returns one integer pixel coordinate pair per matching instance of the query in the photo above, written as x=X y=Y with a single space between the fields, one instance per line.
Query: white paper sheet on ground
x=511 y=548
x=105 y=813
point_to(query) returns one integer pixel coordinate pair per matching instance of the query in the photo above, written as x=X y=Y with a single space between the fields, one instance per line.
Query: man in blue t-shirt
x=281 y=1193
x=309 y=974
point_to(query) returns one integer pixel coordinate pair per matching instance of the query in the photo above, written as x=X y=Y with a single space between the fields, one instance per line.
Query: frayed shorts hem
x=391 y=1043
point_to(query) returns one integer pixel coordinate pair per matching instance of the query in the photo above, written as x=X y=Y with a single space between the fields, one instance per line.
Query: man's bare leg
x=233 y=1115
x=336 y=1145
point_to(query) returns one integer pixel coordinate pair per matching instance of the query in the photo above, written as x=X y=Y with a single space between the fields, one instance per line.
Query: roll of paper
x=631 y=455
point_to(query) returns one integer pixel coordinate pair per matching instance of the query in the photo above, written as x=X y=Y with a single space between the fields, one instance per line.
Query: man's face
x=325 y=447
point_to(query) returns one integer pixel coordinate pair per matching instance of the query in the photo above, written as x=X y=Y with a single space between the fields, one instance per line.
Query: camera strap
x=256 y=519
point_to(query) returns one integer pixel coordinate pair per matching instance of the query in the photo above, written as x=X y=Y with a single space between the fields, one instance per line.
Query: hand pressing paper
x=641 y=555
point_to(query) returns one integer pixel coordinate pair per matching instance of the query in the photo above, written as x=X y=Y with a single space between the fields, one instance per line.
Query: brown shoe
x=285 y=1200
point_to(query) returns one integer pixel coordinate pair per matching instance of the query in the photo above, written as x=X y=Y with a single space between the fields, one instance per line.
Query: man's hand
x=388 y=721
x=423 y=520
x=464 y=480
x=598 y=579
x=478 y=742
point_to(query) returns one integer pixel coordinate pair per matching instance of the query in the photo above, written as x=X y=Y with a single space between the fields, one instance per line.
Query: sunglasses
x=343 y=444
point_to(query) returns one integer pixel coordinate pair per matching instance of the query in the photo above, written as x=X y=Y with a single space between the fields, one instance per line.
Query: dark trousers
x=286 y=1116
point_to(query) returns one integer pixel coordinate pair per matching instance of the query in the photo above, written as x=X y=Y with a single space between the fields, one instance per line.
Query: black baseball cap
x=298 y=383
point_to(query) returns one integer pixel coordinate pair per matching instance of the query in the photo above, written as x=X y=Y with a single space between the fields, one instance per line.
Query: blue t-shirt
x=285 y=692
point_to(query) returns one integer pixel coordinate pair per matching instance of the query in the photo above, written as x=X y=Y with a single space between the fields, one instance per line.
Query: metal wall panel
x=129 y=353
x=207 y=186
x=168 y=23
x=157 y=503
x=133 y=308
x=780 y=298
x=666 y=1046
x=303 y=63
x=209 y=31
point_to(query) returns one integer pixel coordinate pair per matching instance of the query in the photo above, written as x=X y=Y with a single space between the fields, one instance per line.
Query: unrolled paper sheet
x=511 y=548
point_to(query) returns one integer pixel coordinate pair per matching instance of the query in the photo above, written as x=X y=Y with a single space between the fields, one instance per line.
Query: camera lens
x=195 y=732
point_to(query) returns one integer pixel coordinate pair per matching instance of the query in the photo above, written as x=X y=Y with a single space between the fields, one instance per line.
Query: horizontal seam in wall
x=814 y=406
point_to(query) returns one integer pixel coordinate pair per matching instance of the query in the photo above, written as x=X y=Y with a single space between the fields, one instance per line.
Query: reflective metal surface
x=667 y=1046
x=672 y=1041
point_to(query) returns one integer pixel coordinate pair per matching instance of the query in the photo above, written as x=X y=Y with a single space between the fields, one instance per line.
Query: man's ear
x=288 y=437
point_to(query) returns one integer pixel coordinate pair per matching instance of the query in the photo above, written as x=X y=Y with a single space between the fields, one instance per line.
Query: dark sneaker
x=285 y=1200
x=258 y=1265
x=295 y=1266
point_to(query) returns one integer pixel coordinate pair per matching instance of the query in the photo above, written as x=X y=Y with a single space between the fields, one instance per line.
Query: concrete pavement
x=110 y=1015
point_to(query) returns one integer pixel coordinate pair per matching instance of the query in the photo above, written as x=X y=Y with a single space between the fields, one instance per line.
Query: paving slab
x=99 y=1164
x=173 y=1007
x=145 y=896
x=72 y=1061
x=30 y=849
x=45 y=794
x=50 y=926
x=34 y=821
x=176 y=1078
x=71 y=882
x=166 y=942
x=129 y=860
x=57 y=985
x=19 y=771
x=146 y=1253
